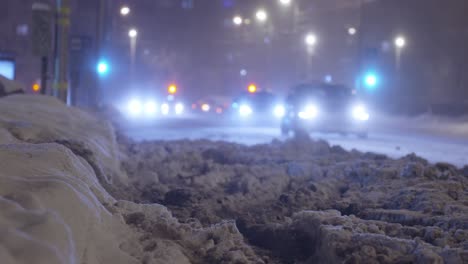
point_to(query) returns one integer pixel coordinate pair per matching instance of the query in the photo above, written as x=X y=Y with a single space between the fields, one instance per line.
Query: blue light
x=371 y=80
x=102 y=68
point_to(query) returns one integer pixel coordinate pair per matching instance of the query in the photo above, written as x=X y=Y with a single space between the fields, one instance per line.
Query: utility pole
x=62 y=42
x=42 y=38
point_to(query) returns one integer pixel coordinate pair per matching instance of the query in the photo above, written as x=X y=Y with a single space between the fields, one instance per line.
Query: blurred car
x=259 y=105
x=322 y=107
x=151 y=106
x=211 y=105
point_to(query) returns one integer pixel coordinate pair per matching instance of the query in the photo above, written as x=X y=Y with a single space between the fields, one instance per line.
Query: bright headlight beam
x=134 y=107
x=245 y=110
x=360 y=113
x=309 y=112
x=151 y=108
x=179 y=108
x=279 y=111
x=165 y=109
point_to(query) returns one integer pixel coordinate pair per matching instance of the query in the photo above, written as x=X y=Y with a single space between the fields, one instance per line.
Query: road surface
x=436 y=143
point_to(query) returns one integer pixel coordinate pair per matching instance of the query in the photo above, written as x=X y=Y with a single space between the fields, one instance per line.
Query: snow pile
x=281 y=194
x=52 y=209
x=41 y=119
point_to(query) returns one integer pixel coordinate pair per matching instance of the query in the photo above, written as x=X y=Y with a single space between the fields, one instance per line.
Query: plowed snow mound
x=42 y=119
x=51 y=209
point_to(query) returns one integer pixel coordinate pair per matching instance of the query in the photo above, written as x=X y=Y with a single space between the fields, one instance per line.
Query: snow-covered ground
x=435 y=139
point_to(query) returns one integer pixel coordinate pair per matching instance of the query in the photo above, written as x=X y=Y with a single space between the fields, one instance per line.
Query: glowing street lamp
x=125 y=11
x=261 y=15
x=172 y=89
x=132 y=33
x=285 y=2
x=400 y=42
x=237 y=20
x=252 y=88
x=311 y=40
x=352 y=31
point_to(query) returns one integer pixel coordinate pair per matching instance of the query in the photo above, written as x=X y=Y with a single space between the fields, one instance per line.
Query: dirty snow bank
x=43 y=119
x=57 y=166
x=303 y=201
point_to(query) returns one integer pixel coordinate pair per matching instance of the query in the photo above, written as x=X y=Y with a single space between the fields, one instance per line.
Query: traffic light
x=252 y=88
x=36 y=87
x=172 y=89
x=102 y=68
x=371 y=80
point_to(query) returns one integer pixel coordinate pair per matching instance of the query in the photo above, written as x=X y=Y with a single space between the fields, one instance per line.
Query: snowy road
x=395 y=139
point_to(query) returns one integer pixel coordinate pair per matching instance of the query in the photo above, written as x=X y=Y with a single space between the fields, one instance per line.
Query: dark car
x=324 y=107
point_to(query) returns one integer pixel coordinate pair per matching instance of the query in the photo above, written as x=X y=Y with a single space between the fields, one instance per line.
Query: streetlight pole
x=61 y=61
x=132 y=34
x=310 y=41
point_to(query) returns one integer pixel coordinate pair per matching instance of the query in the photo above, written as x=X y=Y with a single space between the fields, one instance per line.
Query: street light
x=237 y=20
x=400 y=42
x=132 y=33
x=311 y=40
x=261 y=15
x=285 y=2
x=125 y=11
x=352 y=31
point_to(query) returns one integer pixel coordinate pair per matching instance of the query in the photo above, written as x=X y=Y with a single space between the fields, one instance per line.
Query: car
x=323 y=107
x=258 y=105
x=212 y=105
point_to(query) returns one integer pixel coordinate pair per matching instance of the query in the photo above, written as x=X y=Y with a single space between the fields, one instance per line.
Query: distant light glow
x=219 y=110
x=151 y=108
x=36 y=87
x=102 y=68
x=134 y=107
x=352 y=31
x=125 y=11
x=261 y=15
x=309 y=112
x=400 y=42
x=179 y=108
x=285 y=2
x=243 y=72
x=252 y=88
x=132 y=33
x=165 y=109
x=172 y=89
x=279 y=111
x=205 y=107
x=371 y=80
x=245 y=110
x=360 y=113
x=328 y=79
x=237 y=20
x=311 y=39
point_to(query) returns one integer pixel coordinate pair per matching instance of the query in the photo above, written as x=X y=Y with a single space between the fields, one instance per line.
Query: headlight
x=279 y=111
x=245 y=110
x=360 y=113
x=309 y=112
x=179 y=109
x=134 y=107
x=151 y=108
x=205 y=107
x=165 y=109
